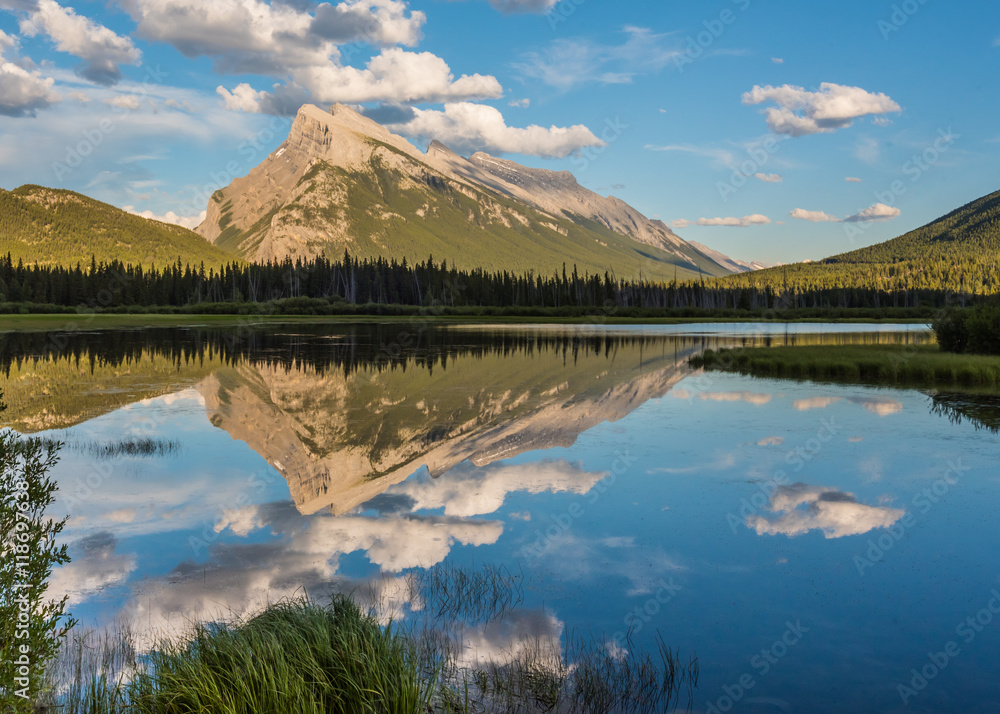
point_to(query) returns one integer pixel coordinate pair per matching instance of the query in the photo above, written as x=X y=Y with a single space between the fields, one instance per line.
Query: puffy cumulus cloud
x=252 y=36
x=800 y=508
x=301 y=555
x=465 y=126
x=305 y=49
x=800 y=112
x=393 y=76
x=95 y=566
x=877 y=212
x=469 y=491
x=852 y=179
x=755 y=219
x=22 y=93
x=102 y=51
x=768 y=178
x=190 y=222
x=378 y=22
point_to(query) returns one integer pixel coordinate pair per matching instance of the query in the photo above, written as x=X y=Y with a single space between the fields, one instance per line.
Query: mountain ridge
x=342 y=182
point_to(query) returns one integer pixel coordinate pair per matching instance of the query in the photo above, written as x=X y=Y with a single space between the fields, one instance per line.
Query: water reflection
x=337 y=459
x=799 y=508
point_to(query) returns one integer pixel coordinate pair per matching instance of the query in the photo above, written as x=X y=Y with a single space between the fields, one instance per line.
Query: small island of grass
x=897 y=365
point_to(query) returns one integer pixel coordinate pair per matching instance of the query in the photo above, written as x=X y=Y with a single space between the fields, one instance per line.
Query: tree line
x=349 y=281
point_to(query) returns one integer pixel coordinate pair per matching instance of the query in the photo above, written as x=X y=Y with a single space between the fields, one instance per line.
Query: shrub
x=952 y=331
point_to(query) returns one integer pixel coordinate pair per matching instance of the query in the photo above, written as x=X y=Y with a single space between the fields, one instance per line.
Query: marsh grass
x=300 y=657
x=897 y=365
x=138 y=447
x=485 y=593
x=295 y=657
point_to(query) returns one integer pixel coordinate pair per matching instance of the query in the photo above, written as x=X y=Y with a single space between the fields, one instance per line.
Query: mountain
x=959 y=252
x=734 y=265
x=344 y=182
x=58 y=227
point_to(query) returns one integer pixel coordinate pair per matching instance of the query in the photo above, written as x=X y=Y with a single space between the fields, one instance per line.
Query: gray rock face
x=296 y=203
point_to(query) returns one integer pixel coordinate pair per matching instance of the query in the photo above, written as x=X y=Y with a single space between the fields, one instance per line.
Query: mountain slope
x=343 y=182
x=734 y=265
x=959 y=252
x=58 y=227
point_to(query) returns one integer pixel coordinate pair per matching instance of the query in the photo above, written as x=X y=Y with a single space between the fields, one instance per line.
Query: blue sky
x=738 y=122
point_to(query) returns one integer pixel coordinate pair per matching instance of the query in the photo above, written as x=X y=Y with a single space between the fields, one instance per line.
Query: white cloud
x=801 y=508
x=102 y=51
x=877 y=212
x=755 y=219
x=22 y=93
x=519 y=103
x=768 y=178
x=883 y=406
x=95 y=566
x=307 y=51
x=814 y=403
x=470 y=491
x=124 y=101
x=566 y=63
x=814 y=216
x=394 y=75
x=800 y=112
x=465 y=126
x=777 y=60
x=190 y=222
x=852 y=179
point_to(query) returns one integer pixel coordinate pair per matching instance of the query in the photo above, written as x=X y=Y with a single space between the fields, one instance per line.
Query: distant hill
x=959 y=252
x=344 y=182
x=734 y=265
x=59 y=227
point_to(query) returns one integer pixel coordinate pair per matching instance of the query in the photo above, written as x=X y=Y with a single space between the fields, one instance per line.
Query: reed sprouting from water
x=138 y=447
x=486 y=593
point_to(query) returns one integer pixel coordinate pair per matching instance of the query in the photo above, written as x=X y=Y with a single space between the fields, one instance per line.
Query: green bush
x=976 y=330
x=984 y=330
x=952 y=331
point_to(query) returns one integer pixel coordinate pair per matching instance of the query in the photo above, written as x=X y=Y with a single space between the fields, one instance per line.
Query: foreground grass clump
x=295 y=657
x=921 y=365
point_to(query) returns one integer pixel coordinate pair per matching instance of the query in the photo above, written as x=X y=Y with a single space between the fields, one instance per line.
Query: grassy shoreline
x=925 y=366
x=74 y=322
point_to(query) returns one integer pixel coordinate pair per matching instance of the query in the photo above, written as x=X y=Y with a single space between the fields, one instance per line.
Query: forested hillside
x=958 y=253
x=57 y=227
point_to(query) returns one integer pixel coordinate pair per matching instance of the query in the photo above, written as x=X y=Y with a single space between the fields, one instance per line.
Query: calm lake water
x=815 y=545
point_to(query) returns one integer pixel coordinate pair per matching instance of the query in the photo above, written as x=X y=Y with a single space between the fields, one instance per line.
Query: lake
x=818 y=547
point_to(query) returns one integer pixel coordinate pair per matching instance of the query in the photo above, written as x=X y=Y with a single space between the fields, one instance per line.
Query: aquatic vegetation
x=903 y=365
x=130 y=446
